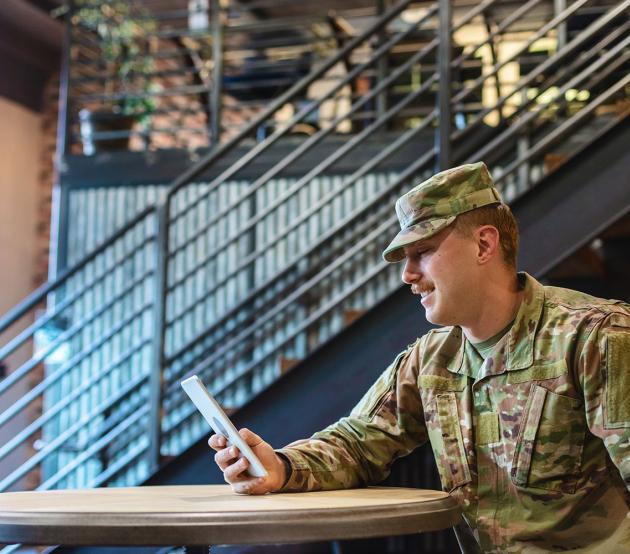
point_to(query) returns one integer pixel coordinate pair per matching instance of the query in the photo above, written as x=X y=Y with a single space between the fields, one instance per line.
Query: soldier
x=523 y=392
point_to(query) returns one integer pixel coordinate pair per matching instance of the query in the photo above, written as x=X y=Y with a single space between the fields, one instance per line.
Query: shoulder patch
x=618 y=379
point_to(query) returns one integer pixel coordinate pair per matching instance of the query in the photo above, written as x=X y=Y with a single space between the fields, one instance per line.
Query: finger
x=234 y=472
x=226 y=456
x=217 y=442
x=249 y=486
x=251 y=438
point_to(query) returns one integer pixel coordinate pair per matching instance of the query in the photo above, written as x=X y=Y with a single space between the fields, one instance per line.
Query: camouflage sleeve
x=359 y=449
x=605 y=379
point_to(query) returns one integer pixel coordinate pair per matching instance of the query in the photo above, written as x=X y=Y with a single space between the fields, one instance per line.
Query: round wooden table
x=213 y=514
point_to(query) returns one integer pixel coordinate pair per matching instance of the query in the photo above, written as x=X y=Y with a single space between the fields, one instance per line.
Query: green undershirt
x=482 y=350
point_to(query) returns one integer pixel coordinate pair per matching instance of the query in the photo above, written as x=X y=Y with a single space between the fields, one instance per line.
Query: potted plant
x=124 y=31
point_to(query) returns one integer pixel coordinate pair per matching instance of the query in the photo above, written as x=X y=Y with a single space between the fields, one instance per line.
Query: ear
x=487 y=242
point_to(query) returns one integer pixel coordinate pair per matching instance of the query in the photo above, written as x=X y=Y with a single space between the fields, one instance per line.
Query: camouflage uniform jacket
x=536 y=450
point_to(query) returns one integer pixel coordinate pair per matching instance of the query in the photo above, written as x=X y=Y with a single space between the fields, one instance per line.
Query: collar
x=516 y=349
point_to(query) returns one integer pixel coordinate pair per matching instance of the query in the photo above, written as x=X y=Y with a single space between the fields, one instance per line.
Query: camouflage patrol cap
x=435 y=203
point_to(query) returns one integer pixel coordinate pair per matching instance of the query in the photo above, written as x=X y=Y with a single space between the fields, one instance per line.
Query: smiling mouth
x=424 y=295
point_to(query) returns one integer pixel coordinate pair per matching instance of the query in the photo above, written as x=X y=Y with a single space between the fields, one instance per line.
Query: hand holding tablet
x=219 y=421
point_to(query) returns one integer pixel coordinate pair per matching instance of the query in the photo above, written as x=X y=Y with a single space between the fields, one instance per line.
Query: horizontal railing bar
x=54 y=410
x=274 y=24
x=238 y=54
x=285 y=302
x=303 y=217
x=102 y=78
x=110 y=135
x=176 y=91
x=98 y=445
x=62 y=305
x=561 y=17
x=36 y=296
x=528 y=117
x=567 y=126
x=28 y=397
x=67 y=433
x=548 y=63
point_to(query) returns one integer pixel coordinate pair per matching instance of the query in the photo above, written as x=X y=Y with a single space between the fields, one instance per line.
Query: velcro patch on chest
x=439 y=383
x=618 y=379
x=539 y=372
x=487 y=430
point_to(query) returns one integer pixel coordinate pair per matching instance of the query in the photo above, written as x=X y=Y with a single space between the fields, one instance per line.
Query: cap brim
x=394 y=252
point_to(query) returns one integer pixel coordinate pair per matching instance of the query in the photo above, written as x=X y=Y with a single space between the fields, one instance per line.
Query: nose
x=411 y=271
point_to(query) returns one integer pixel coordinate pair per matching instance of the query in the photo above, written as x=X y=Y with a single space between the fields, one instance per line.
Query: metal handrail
x=288 y=300
x=561 y=17
x=60 y=439
x=19 y=339
x=41 y=292
x=569 y=48
x=53 y=377
x=55 y=409
x=317 y=137
x=216 y=354
x=258 y=149
x=261 y=214
x=528 y=117
x=566 y=127
x=201 y=367
x=204 y=163
x=304 y=216
x=232 y=311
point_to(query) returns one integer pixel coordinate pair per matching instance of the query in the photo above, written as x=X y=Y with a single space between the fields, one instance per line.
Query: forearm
x=359 y=450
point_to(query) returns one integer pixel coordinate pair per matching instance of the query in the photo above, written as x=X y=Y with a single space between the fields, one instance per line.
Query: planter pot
x=104 y=131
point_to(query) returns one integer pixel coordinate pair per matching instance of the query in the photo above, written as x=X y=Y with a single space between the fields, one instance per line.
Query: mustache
x=417 y=287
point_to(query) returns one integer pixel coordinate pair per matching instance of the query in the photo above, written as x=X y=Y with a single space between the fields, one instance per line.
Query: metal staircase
x=268 y=246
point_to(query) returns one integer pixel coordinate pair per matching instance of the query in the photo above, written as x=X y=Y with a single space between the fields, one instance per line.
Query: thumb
x=251 y=438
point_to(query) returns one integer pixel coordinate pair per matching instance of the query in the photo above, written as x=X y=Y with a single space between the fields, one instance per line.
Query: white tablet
x=216 y=418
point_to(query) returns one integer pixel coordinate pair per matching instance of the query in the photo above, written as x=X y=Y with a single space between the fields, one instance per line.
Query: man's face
x=443 y=271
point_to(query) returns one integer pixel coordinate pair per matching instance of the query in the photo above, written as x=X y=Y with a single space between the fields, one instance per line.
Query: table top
x=213 y=514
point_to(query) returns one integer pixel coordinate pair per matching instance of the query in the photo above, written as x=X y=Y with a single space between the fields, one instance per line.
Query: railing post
x=443 y=131
x=558 y=7
x=217 y=73
x=381 y=66
x=157 y=356
x=59 y=215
